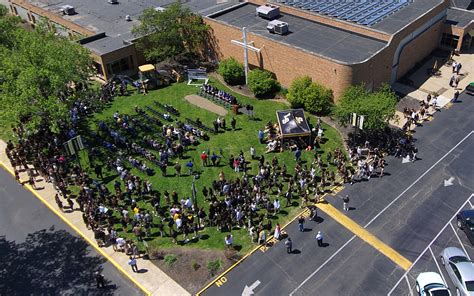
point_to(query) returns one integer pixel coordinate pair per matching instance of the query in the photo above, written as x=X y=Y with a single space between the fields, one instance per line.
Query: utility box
x=278 y=27
x=68 y=10
x=268 y=11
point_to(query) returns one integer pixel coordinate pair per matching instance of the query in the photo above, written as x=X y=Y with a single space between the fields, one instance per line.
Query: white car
x=431 y=284
x=460 y=270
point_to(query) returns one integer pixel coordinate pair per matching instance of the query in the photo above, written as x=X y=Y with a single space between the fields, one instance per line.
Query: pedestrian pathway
x=151 y=279
x=424 y=84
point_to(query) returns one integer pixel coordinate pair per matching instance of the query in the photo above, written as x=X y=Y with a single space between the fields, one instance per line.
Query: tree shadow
x=49 y=262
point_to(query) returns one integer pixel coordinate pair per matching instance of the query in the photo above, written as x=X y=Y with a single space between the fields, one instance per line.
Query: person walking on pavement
x=133 y=263
x=319 y=238
x=301 y=223
x=456 y=96
x=289 y=245
x=99 y=279
x=345 y=201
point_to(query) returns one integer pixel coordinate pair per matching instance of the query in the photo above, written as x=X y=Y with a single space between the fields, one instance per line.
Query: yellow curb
x=260 y=246
x=99 y=250
x=365 y=235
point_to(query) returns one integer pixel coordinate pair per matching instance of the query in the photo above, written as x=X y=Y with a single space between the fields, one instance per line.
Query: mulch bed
x=190 y=269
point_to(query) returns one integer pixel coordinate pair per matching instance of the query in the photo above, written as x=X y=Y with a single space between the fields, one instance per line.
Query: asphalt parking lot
x=429 y=260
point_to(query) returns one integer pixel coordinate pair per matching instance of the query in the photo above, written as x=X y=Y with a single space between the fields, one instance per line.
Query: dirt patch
x=206 y=104
x=190 y=269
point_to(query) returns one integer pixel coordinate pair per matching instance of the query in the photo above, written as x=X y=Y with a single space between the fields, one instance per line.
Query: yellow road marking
x=366 y=236
x=99 y=250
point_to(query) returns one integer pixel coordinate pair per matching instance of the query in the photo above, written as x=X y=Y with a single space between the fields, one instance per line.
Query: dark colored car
x=465 y=221
x=470 y=89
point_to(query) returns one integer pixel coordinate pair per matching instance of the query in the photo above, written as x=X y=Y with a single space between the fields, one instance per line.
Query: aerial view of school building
x=337 y=43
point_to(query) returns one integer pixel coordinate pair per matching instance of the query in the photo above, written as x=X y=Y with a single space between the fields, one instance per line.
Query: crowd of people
x=257 y=190
x=225 y=97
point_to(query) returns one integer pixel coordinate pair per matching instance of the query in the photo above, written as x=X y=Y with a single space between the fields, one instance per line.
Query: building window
x=118 y=66
x=449 y=40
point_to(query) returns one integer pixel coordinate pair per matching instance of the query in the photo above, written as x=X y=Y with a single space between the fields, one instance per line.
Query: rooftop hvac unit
x=113 y=1
x=278 y=27
x=68 y=10
x=268 y=11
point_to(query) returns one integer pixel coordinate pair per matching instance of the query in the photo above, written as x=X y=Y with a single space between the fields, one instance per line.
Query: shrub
x=310 y=95
x=156 y=254
x=232 y=71
x=261 y=82
x=214 y=266
x=195 y=265
x=170 y=259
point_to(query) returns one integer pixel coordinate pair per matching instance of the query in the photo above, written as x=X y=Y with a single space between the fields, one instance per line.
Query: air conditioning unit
x=113 y=1
x=68 y=10
x=278 y=27
x=268 y=11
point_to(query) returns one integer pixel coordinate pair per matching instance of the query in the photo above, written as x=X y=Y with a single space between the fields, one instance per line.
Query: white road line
x=470 y=203
x=409 y=287
x=382 y=211
x=429 y=245
x=419 y=178
x=437 y=265
x=459 y=239
x=322 y=265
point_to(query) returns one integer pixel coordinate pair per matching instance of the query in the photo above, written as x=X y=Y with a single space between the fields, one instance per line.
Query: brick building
x=337 y=43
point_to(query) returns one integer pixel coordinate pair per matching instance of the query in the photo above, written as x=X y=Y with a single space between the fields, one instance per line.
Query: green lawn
x=231 y=142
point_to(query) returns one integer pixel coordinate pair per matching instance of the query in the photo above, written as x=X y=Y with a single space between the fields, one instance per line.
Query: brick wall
x=285 y=61
x=419 y=48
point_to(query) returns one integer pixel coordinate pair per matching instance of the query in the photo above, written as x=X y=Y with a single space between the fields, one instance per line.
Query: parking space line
x=429 y=245
x=459 y=239
x=365 y=235
x=409 y=287
x=470 y=203
x=437 y=265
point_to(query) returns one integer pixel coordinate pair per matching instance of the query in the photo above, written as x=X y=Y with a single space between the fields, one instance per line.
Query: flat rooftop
x=459 y=17
x=343 y=46
x=385 y=16
x=100 y=16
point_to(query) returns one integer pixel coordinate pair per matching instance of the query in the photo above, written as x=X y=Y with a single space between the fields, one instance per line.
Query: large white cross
x=246 y=45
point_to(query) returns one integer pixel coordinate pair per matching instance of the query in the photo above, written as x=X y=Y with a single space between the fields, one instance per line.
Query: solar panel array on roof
x=362 y=12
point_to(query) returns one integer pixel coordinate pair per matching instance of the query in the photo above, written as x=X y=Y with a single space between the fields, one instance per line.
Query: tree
x=8 y=24
x=35 y=72
x=261 y=82
x=173 y=31
x=232 y=71
x=310 y=95
x=378 y=107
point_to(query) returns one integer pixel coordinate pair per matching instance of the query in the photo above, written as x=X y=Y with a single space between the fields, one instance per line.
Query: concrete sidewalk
x=424 y=84
x=151 y=279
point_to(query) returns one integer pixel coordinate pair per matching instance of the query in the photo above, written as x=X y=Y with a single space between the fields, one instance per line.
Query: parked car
x=460 y=269
x=465 y=221
x=431 y=284
x=470 y=89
